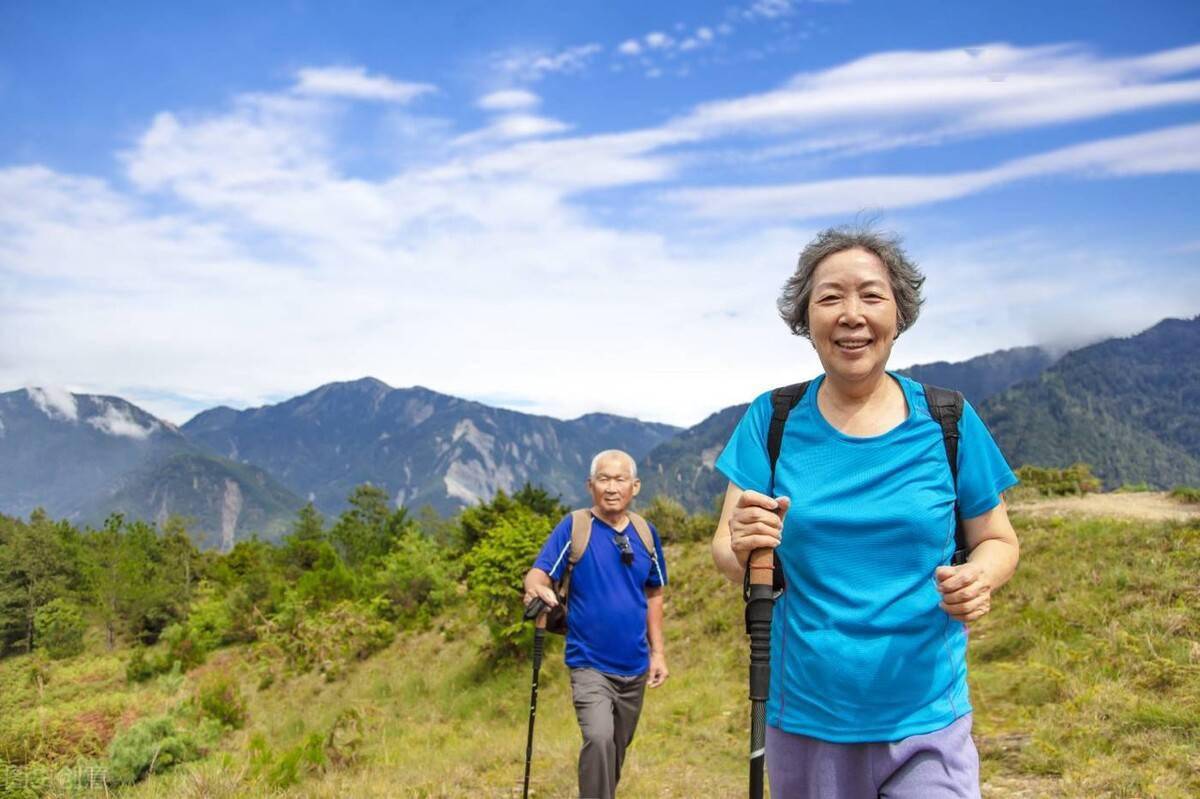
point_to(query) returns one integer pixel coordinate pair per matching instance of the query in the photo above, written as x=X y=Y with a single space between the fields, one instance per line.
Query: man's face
x=613 y=486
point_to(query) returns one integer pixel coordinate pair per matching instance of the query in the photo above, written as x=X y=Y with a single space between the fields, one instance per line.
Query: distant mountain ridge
x=82 y=457
x=420 y=446
x=683 y=467
x=1130 y=407
x=984 y=375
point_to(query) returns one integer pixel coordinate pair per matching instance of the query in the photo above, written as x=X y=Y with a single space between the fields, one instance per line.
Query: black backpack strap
x=783 y=399
x=946 y=407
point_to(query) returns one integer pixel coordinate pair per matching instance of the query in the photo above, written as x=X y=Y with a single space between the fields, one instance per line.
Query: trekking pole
x=760 y=602
x=534 y=610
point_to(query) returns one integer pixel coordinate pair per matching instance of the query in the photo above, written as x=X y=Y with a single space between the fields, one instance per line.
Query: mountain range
x=1129 y=406
x=421 y=447
x=83 y=456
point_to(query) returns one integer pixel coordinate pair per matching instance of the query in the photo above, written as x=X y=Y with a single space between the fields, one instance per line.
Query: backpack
x=946 y=407
x=581 y=534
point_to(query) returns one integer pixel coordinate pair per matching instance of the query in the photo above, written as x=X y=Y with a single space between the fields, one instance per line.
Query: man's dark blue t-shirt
x=606 y=626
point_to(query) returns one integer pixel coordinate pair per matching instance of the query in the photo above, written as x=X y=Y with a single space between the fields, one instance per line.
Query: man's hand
x=658 y=670
x=542 y=592
x=537 y=584
x=966 y=591
x=756 y=522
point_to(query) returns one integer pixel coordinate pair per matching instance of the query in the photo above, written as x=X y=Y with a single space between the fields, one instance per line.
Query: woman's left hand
x=966 y=591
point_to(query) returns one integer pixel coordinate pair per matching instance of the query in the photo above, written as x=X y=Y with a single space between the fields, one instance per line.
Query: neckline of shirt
x=810 y=400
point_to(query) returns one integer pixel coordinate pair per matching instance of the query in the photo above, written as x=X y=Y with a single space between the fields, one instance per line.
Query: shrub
x=59 y=628
x=218 y=698
x=1185 y=494
x=182 y=646
x=675 y=524
x=148 y=747
x=140 y=667
x=209 y=622
x=1076 y=479
x=415 y=579
x=496 y=567
x=331 y=640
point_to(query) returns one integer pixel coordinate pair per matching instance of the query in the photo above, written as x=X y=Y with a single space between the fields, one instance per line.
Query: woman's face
x=852 y=314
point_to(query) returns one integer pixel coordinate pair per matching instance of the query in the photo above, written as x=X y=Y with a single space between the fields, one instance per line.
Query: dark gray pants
x=607 y=707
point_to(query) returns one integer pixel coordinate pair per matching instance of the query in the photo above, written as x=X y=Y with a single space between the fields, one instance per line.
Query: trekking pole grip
x=762 y=566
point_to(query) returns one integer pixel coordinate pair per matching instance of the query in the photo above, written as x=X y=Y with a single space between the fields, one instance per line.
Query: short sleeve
x=983 y=474
x=744 y=460
x=658 y=574
x=556 y=551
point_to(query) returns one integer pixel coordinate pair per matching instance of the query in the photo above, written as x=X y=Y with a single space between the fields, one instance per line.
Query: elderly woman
x=868 y=693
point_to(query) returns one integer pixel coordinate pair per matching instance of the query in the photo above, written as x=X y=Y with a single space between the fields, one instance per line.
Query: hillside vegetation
x=1085 y=680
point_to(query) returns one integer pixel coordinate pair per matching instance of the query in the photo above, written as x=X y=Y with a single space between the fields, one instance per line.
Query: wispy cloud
x=533 y=65
x=958 y=92
x=510 y=100
x=357 y=84
x=1169 y=150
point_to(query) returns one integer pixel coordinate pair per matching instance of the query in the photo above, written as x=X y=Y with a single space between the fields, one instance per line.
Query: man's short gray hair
x=905 y=277
x=608 y=453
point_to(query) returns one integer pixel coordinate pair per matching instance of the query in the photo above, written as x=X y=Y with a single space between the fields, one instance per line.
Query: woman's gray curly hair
x=905 y=277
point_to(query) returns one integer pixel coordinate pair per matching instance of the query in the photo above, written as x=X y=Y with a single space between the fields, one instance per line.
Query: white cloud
x=657 y=40
x=513 y=126
x=768 y=9
x=54 y=402
x=509 y=100
x=963 y=91
x=118 y=422
x=629 y=47
x=1161 y=151
x=533 y=65
x=355 y=83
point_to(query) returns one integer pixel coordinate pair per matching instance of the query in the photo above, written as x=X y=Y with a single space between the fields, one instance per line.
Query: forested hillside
x=1130 y=407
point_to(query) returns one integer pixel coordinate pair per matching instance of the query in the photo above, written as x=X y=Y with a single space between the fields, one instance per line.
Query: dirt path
x=1151 y=505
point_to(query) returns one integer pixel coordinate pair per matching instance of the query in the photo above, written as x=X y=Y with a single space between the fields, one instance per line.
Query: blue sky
x=568 y=207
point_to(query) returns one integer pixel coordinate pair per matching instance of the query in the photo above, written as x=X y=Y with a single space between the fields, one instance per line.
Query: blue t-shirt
x=606 y=625
x=860 y=650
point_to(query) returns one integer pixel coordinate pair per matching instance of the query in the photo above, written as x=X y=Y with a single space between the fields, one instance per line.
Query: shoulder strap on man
x=643 y=530
x=946 y=408
x=581 y=532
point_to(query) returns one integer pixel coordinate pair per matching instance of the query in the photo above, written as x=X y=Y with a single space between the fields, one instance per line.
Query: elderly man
x=614 y=628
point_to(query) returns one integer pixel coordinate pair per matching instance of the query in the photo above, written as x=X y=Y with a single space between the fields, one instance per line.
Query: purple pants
x=943 y=764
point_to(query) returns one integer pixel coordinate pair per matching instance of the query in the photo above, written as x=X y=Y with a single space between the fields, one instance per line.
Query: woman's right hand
x=756 y=523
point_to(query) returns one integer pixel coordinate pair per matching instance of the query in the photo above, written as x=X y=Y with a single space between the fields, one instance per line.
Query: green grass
x=1085 y=680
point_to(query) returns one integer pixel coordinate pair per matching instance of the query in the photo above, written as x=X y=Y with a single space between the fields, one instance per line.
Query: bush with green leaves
x=219 y=698
x=674 y=523
x=331 y=640
x=1076 y=479
x=150 y=746
x=1185 y=494
x=59 y=627
x=210 y=622
x=416 y=580
x=496 y=567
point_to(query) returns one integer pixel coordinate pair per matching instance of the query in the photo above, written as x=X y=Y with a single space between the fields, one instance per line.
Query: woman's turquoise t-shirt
x=860 y=650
